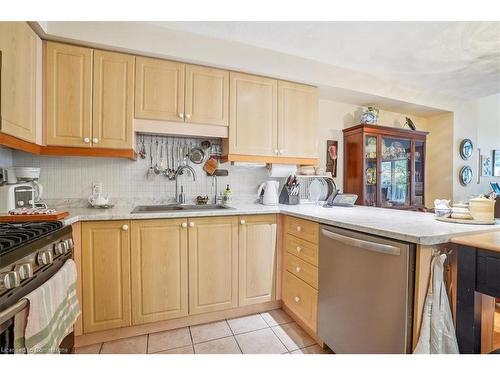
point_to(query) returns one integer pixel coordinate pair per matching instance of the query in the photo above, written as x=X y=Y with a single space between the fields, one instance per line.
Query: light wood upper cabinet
x=105 y=275
x=297 y=120
x=207 y=95
x=113 y=100
x=159 y=89
x=257 y=259
x=159 y=264
x=68 y=90
x=19 y=65
x=213 y=264
x=253 y=115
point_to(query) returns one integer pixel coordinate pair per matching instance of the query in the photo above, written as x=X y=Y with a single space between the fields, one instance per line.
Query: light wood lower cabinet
x=19 y=62
x=105 y=275
x=213 y=264
x=257 y=259
x=159 y=265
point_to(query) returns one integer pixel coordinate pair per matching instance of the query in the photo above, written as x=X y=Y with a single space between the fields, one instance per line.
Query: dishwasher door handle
x=366 y=245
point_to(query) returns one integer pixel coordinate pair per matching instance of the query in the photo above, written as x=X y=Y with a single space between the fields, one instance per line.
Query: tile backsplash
x=5 y=157
x=68 y=180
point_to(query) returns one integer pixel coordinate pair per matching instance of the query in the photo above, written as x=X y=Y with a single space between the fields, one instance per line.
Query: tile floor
x=272 y=332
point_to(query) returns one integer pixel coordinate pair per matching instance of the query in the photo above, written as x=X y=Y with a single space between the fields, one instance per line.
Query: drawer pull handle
x=296 y=299
x=297 y=269
x=299 y=228
x=299 y=249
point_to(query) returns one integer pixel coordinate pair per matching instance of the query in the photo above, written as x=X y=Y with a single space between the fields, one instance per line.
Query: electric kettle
x=270 y=189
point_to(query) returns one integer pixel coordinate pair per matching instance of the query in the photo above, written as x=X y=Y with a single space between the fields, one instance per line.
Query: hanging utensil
x=157 y=166
x=197 y=155
x=151 y=171
x=142 y=151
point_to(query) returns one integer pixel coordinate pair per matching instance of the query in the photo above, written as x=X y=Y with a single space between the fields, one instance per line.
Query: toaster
x=16 y=196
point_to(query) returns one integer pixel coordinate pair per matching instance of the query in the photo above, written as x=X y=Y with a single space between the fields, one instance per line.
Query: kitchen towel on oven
x=53 y=309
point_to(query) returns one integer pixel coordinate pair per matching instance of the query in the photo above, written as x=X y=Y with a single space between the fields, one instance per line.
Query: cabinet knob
x=299 y=228
x=86 y=140
x=299 y=249
x=188 y=116
x=297 y=299
x=191 y=224
x=181 y=115
x=242 y=222
x=184 y=225
x=297 y=269
x=125 y=227
x=95 y=140
x=276 y=151
x=281 y=151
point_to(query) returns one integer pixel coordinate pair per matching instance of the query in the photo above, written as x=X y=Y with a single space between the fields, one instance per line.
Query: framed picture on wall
x=331 y=157
x=496 y=163
x=485 y=166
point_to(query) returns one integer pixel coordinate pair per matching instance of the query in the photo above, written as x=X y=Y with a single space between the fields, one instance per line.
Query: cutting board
x=465 y=221
x=58 y=215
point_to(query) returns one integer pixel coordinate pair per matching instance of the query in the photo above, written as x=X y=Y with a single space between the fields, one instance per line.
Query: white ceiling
x=461 y=59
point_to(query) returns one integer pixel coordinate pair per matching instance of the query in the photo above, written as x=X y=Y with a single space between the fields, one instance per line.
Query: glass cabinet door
x=419 y=173
x=370 y=171
x=396 y=172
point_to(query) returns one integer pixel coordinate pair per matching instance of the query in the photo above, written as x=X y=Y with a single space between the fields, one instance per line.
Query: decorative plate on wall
x=466 y=148
x=465 y=175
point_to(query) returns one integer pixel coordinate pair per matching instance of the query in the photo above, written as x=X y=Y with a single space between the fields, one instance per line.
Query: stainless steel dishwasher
x=365 y=292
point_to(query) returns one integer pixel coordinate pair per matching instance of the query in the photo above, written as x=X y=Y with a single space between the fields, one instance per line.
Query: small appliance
x=269 y=192
x=16 y=196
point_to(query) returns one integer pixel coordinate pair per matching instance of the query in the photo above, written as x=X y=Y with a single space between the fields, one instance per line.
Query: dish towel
x=437 y=333
x=53 y=309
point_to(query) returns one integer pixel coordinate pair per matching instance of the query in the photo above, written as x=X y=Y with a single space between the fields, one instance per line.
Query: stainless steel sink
x=178 y=207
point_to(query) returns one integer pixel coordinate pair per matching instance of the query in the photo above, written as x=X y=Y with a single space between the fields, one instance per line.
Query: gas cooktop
x=15 y=235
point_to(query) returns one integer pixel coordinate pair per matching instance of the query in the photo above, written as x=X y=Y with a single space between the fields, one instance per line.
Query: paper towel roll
x=281 y=170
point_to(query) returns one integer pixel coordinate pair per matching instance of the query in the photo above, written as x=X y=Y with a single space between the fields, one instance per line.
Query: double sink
x=178 y=207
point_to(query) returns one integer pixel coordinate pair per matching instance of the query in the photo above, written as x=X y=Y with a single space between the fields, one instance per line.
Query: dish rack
x=305 y=181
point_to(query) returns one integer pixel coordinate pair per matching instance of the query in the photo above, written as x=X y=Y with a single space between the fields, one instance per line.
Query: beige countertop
x=408 y=226
x=487 y=241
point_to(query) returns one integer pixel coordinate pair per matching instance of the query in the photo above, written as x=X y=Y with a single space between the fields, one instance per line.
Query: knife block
x=287 y=198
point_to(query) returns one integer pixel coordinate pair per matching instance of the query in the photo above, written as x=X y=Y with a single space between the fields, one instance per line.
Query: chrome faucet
x=181 y=198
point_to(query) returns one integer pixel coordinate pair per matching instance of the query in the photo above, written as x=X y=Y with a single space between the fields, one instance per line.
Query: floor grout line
x=234 y=336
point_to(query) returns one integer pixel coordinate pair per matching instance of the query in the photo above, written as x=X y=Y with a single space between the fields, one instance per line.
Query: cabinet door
x=207 y=95
x=159 y=270
x=297 y=120
x=257 y=259
x=213 y=264
x=68 y=85
x=105 y=275
x=113 y=98
x=253 y=115
x=159 y=89
x=18 y=46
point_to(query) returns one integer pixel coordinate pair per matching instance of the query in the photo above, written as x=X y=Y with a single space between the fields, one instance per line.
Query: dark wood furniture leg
x=468 y=319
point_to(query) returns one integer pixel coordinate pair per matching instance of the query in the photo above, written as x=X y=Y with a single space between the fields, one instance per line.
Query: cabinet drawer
x=301 y=299
x=304 y=229
x=302 y=270
x=302 y=249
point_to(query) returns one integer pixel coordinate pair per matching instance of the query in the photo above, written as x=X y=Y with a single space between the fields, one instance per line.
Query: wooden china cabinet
x=385 y=166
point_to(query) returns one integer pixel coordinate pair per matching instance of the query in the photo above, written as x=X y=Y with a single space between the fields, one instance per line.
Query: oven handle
x=11 y=311
x=367 y=245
